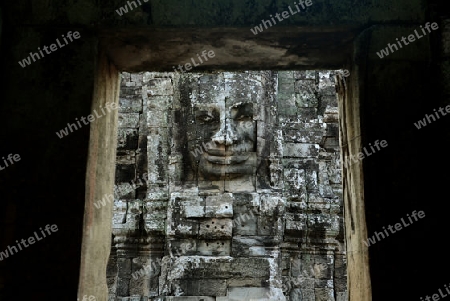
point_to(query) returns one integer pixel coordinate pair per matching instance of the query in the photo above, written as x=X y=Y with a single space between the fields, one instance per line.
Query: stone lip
x=226 y=160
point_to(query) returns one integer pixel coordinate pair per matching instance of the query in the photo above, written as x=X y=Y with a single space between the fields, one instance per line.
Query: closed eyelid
x=206 y=116
x=243 y=110
x=203 y=116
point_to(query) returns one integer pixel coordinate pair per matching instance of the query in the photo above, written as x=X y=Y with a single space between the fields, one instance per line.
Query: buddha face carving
x=227 y=134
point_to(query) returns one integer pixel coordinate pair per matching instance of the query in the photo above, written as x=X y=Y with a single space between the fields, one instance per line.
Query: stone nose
x=225 y=135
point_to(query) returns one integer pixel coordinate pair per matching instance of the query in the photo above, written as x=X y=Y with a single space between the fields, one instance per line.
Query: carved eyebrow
x=240 y=104
x=205 y=109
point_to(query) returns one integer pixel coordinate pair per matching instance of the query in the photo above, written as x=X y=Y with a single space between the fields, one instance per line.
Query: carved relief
x=243 y=195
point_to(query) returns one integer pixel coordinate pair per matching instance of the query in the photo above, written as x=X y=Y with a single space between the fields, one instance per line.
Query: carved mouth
x=226 y=159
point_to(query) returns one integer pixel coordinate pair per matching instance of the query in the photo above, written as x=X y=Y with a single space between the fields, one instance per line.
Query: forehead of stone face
x=211 y=88
x=243 y=87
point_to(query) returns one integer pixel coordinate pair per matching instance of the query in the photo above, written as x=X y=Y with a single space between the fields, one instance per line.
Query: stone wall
x=274 y=233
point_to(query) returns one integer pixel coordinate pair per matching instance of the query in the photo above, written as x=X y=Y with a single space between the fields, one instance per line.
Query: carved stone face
x=227 y=133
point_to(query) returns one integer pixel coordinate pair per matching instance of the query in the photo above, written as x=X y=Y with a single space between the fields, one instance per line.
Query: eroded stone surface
x=228 y=188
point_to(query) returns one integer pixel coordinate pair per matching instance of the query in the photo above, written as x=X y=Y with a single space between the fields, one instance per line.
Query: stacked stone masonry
x=228 y=187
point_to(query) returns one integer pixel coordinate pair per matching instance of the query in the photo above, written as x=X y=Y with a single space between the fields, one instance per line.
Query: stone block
x=271 y=204
x=160 y=86
x=129 y=222
x=267 y=225
x=126 y=157
x=182 y=228
x=128 y=120
x=326 y=79
x=157 y=158
x=124 y=191
x=144 y=286
x=296 y=176
x=209 y=267
x=243 y=246
x=157 y=119
x=313 y=124
x=305 y=74
x=253 y=267
x=183 y=247
x=303 y=136
x=207 y=287
x=324 y=294
x=213 y=248
x=296 y=205
x=331 y=113
x=332 y=130
x=245 y=224
x=192 y=207
x=286 y=104
x=308 y=295
x=125 y=173
x=143 y=129
x=125 y=77
x=300 y=150
x=318 y=224
x=326 y=190
x=137 y=78
x=130 y=104
x=127 y=139
x=295 y=223
x=341 y=296
x=141 y=157
x=248 y=293
x=155 y=216
x=296 y=294
x=246 y=282
x=311 y=178
x=286 y=75
x=219 y=205
x=124 y=267
x=122 y=286
x=305 y=96
x=244 y=202
x=216 y=228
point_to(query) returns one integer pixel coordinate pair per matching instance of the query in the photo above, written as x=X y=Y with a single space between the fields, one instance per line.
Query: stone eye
x=205 y=118
x=244 y=117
